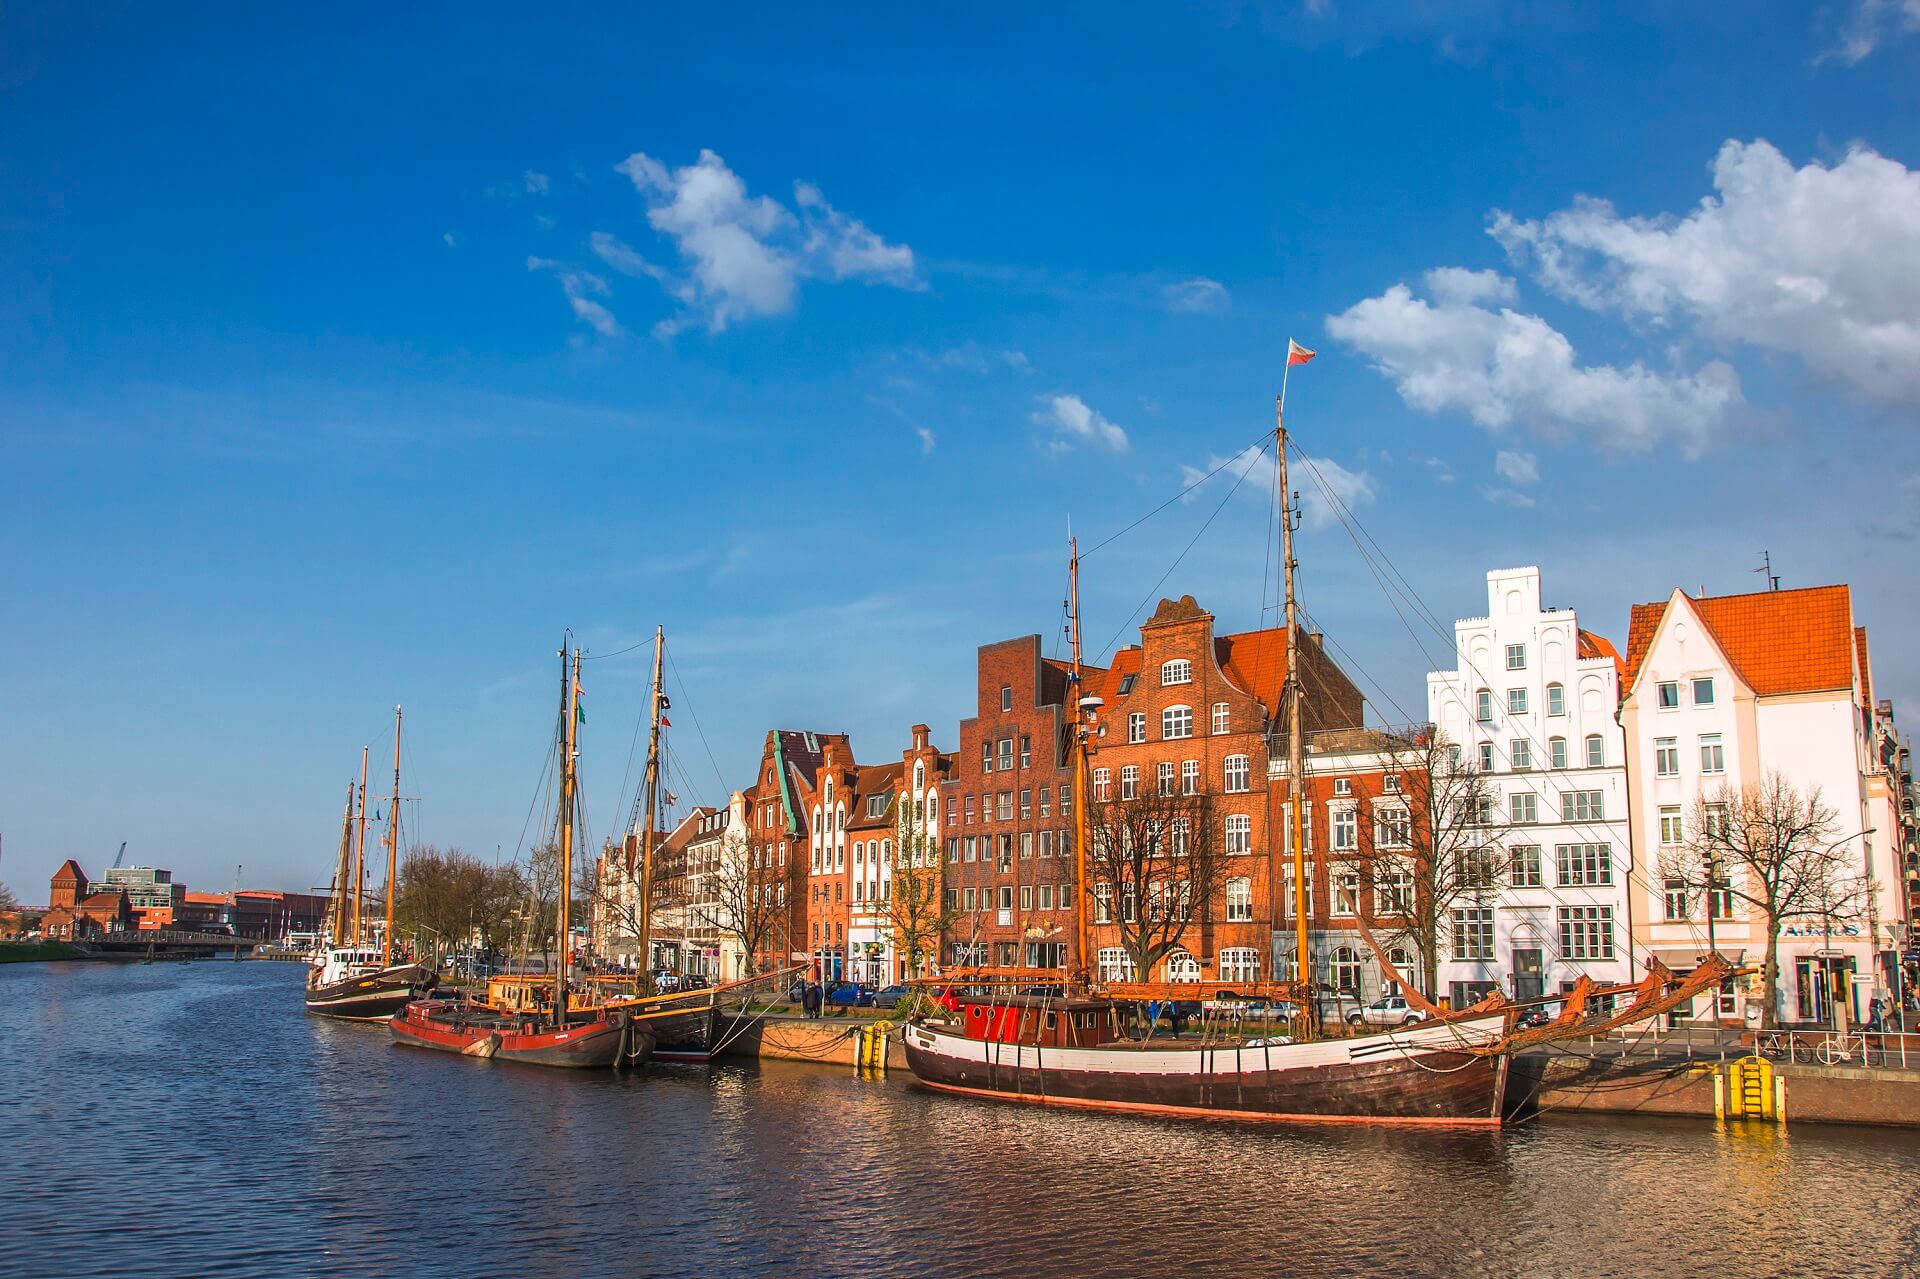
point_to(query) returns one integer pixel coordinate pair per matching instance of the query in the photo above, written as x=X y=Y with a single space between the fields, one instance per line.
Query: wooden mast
x=337 y=915
x=360 y=850
x=1296 y=745
x=652 y=792
x=569 y=737
x=1083 y=896
x=393 y=844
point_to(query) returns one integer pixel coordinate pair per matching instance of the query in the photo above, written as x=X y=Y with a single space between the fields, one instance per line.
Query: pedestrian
x=810 y=1000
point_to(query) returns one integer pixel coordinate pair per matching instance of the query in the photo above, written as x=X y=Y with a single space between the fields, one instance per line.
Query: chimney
x=920 y=737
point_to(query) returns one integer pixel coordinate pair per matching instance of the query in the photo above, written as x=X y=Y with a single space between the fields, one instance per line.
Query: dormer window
x=876 y=805
x=1126 y=684
x=1178 y=671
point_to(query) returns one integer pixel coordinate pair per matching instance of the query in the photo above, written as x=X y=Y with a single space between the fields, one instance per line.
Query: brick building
x=76 y=913
x=780 y=841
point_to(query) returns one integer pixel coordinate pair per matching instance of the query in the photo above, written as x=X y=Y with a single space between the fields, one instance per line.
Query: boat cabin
x=1040 y=1019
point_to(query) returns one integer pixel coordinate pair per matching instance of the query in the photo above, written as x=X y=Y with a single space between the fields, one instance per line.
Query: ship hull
x=370 y=996
x=1425 y=1075
x=684 y=1036
x=445 y=1028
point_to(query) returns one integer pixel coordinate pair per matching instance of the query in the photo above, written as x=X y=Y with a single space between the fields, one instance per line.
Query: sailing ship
x=522 y=1020
x=350 y=977
x=1062 y=1042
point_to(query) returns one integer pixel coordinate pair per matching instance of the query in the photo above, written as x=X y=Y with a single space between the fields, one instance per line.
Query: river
x=186 y=1120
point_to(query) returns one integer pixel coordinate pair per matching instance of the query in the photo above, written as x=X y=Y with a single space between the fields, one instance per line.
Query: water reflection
x=172 y=1121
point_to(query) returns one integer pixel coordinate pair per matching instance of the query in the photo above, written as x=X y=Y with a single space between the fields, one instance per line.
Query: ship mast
x=360 y=849
x=1296 y=745
x=393 y=844
x=1078 y=728
x=644 y=915
x=569 y=738
x=337 y=916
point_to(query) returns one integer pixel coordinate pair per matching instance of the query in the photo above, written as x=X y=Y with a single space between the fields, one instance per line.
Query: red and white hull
x=457 y=1028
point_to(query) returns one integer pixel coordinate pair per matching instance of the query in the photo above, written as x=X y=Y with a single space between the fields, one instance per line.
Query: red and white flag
x=1297 y=354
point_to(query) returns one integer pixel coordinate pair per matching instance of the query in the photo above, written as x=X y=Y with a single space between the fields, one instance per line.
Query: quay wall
x=1813 y=1094
x=824 y=1041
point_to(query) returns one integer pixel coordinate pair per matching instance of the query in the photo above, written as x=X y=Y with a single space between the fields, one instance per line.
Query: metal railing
x=1890 y=1050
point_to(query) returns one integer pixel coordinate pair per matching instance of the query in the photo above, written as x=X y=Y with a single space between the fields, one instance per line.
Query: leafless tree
x=1156 y=866
x=456 y=896
x=748 y=896
x=1771 y=845
x=913 y=905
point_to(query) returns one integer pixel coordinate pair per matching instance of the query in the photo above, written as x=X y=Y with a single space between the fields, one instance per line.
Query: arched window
x=1178 y=671
x=1596 y=751
x=816 y=818
x=886 y=851
x=1344 y=970
x=1556 y=700
x=1176 y=722
x=1182 y=966
x=1239 y=900
x=1239 y=963
x=919 y=778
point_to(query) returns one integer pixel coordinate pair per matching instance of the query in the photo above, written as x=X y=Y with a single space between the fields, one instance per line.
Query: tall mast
x=1296 y=745
x=569 y=736
x=393 y=843
x=337 y=916
x=1079 y=757
x=652 y=791
x=360 y=849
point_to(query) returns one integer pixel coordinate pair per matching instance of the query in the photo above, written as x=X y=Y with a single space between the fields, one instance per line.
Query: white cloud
x=1319 y=482
x=1507 y=497
x=1458 y=286
x=581 y=288
x=1017 y=360
x=926 y=438
x=450 y=241
x=1522 y=469
x=1506 y=369
x=1819 y=262
x=1074 y=422
x=743 y=255
x=536 y=183
x=1196 y=296
x=1868 y=23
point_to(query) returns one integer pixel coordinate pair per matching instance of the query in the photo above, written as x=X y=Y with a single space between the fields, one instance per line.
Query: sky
x=352 y=356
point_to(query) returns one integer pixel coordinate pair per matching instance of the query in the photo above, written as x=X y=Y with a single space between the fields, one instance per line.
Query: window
x=1516 y=701
x=1239 y=900
x=986 y=757
x=967 y=848
x=1239 y=963
x=1126 y=684
x=1006 y=753
x=1179 y=838
x=1346 y=894
x=1669 y=695
x=1472 y=933
x=1713 y=755
x=1557 y=752
x=1190 y=777
x=1392 y=828
x=1666 y=757
x=1390 y=783
x=1239 y=828
x=1346 y=830
x=969 y=810
x=1523 y=870
x=1516 y=657
x=1596 y=751
x=1046 y=801
x=1343 y=969
x=1520 y=755
x=1026 y=845
x=1586 y=932
x=1102 y=784
x=1066 y=798
x=1720 y=900
x=1003 y=806
x=1006 y=897
x=1046 y=843
x=1129 y=904
x=1672 y=825
x=1026 y=751
x=1676 y=899
x=1103 y=910
x=1178 y=671
x=1026 y=803
x=1556 y=700
x=1486 y=757
x=1392 y=892
x=1221 y=718
x=1584 y=865
x=1114 y=964
x=1130 y=782
x=1703 y=692
x=1523 y=809
x=1483 y=706
x=1482 y=810
x=1584 y=806
x=1006 y=697
x=1294 y=899
x=1137 y=726
x=1166 y=774
x=1026 y=897
x=1238 y=775
x=1046 y=897
x=876 y=805
x=1716 y=827
x=1176 y=722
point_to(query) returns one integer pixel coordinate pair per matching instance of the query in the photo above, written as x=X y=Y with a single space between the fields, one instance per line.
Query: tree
x=912 y=904
x=1434 y=845
x=746 y=896
x=455 y=896
x=1156 y=865
x=1770 y=845
x=542 y=880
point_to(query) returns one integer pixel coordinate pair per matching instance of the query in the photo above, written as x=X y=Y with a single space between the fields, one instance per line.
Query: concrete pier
x=829 y=1041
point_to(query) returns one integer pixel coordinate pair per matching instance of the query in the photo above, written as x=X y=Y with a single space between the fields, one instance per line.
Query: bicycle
x=1784 y=1045
x=1833 y=1050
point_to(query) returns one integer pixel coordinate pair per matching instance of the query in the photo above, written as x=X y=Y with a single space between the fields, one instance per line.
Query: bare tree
x=747 y=896
x=1770 y=845
x=913 y=906
x=1156 y=865
x=456 y=896
x=1434 y=844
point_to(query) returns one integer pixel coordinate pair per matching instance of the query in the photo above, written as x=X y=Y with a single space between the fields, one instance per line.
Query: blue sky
x=352 y=356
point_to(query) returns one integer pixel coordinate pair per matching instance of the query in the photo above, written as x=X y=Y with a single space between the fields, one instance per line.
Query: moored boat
x=354 y=983
x=594 y=1039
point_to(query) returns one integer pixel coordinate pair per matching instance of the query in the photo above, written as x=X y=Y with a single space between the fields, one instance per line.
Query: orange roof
x=70 y=873
x=1257 y=662
x=1777 y=641
x=1592 y=645
x=206 y=899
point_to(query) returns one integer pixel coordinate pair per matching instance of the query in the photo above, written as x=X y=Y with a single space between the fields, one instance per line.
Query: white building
x=1530 y=705
x=1726 y=691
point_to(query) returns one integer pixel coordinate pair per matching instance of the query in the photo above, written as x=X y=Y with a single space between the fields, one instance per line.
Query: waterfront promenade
x=323 y=1150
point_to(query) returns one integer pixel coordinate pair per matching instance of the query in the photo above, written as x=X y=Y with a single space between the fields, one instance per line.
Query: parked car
x=1393 y=1010
x=889 y=996
x=849 y=994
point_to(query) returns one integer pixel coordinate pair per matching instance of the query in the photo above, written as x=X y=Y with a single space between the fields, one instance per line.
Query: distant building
x=156 y=900
x=75 y=912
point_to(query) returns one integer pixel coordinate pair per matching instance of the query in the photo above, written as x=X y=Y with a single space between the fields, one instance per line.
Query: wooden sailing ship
x=351 y=977
x=1063 y=1043
x=557 y=1030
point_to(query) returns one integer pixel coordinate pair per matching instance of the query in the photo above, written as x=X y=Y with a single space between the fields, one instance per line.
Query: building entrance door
x=1529 y=975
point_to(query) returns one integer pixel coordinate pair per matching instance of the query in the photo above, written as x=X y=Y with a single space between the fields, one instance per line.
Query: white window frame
x=1176 y=723
x=1176 y=670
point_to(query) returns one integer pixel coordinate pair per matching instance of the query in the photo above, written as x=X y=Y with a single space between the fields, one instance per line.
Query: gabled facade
x=1728 y=690
x=779 y=841
x=1530 y=703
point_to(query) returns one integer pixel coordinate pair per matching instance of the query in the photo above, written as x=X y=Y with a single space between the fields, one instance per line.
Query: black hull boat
x=369 y=996
x=688 y=1035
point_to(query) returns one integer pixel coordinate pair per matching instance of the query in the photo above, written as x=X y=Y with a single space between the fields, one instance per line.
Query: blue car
x=849 y=994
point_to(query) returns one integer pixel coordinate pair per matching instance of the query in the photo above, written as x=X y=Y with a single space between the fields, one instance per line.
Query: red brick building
x=783 y=832
x=73 y=913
